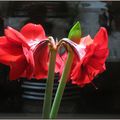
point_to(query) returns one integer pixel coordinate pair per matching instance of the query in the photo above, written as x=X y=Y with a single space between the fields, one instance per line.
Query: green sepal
x=75 y=31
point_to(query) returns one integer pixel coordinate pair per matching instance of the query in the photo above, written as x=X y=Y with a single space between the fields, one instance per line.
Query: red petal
x=103 y=53
x=80 y=75
x=30 y=60
x=91 y=71
x=75 y=73
x=101 y=38
x=82 y=79
x=8 y=51
x=97 y=59
x=16 y=37
x=61 y=61
x=41 y=57
x=11 y=54
x=11 y=35
x=33 y=32
x=17 y=68
x=10 y=47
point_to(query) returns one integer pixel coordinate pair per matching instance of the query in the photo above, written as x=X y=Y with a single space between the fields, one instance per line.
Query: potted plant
x=32 y=55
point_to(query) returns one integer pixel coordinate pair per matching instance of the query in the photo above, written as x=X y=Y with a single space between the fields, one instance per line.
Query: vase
x=33 y=95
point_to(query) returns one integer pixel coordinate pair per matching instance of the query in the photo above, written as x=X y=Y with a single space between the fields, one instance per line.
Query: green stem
x=61 y=86
x=49 y=85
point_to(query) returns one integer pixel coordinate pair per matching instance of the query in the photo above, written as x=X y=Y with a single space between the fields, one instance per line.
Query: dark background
x=23 y=98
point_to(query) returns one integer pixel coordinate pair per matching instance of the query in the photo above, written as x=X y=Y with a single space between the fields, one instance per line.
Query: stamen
x=94 y=86
x=56 y=41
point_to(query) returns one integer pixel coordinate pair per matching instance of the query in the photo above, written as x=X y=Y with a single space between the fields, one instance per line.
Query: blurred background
x=24 y=98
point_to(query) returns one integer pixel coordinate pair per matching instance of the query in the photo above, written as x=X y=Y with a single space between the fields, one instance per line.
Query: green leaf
x=75 y=31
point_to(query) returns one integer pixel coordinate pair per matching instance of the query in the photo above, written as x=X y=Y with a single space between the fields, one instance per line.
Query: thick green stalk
x=61 y=86
x=49 y=85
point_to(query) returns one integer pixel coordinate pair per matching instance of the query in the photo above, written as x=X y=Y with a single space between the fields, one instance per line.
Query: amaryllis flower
x=92 y=62
x=36 y=39
x=17 y=50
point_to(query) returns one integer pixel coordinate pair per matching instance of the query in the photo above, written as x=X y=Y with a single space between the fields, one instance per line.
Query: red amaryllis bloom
x=36 y=39
x=17 y=50
x=92 y=62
